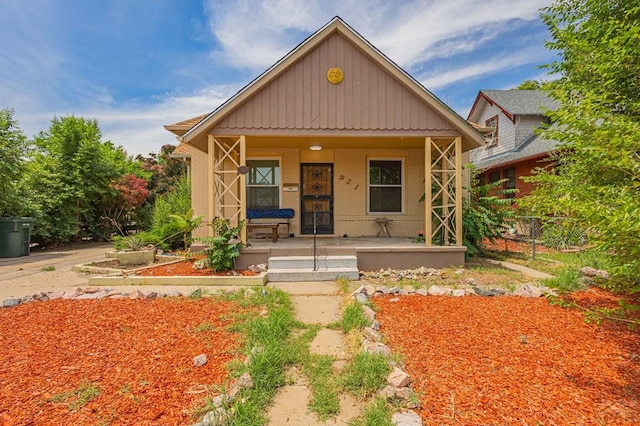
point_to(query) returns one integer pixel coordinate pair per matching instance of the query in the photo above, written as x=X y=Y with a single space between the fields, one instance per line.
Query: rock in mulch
x=435 y=290
x=8 y=303
x=398 y=378
x=406 y=418
x=528 y=290
x=200 y=360
x=375 y=348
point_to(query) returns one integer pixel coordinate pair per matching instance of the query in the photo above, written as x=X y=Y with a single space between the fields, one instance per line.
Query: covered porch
x=372 y=253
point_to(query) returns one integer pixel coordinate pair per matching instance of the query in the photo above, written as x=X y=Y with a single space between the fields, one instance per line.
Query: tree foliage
x=14 y=148
x=596 y=175
x=73 y=180
x=484 y=212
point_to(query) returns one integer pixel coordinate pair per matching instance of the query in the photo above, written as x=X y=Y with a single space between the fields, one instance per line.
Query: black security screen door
x=317 y=198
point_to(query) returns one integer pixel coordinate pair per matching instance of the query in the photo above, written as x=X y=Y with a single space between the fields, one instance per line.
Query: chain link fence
x=556 y=233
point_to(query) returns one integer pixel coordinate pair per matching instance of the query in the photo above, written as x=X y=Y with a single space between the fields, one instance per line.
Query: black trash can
x=15 y=236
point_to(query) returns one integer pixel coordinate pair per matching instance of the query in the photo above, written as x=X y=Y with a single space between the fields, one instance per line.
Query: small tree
x=14 y=148
x=224 y=247
x=484 y=212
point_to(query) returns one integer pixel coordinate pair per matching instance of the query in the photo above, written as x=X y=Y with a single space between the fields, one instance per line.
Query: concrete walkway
x=24 y=276
x=315 y=303
x=533 y=273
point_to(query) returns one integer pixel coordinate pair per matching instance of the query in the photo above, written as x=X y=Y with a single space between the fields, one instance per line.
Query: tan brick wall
x=350 y=189
x=199 y=182
x=351 y=198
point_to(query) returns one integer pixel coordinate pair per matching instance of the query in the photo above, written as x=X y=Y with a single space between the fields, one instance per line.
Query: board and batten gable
x=368 y=101
x=506 y=131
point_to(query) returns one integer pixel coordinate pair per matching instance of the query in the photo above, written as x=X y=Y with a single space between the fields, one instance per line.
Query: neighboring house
x=508 y=119
x=341 y=135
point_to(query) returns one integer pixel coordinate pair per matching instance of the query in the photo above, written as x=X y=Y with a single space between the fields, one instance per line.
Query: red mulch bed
x=513 y=246
x=186 y=269
x=138 y=352
x=515 y=361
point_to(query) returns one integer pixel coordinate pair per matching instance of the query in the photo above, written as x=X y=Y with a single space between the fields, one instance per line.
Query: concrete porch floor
x=372 y=253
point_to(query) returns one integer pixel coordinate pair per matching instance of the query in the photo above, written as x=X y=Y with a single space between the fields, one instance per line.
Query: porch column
x=428 y=201
x=228 y=184
x=243 y=188
x=459 y=238
x=210 y=183
x=443 y=191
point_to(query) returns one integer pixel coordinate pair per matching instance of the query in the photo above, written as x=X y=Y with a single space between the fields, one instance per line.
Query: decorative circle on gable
x=335 y=75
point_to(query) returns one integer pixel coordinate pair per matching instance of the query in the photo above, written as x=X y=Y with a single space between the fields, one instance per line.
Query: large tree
x=596 y=178
x=13 y=153
x=74 y=178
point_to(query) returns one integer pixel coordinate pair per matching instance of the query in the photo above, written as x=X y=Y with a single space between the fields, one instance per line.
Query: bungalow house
x=512 y=149
x=343 y=141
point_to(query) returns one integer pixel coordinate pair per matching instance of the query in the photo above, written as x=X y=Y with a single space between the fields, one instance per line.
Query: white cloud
x=140 y=129
x=437 y=78
x=256 y=33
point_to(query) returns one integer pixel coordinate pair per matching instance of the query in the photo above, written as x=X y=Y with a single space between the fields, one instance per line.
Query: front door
x=317 y=198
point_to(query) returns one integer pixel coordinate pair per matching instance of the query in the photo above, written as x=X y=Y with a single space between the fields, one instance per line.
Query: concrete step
x=308 y=274
x=307 y=262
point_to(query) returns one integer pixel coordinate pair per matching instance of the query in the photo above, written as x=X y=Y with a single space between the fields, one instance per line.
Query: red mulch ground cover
x=515 y=361
x=186 y=269
x=138 y=352
x=513 y=246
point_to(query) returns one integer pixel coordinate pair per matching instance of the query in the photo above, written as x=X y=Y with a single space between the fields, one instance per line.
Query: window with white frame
x=492 y=138
x=385 y=186
x=263 y=184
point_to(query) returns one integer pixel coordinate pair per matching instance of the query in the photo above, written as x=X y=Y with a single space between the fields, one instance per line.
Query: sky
x=136 y=65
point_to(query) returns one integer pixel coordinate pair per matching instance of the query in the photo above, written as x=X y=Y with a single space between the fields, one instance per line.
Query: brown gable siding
x=301 y=98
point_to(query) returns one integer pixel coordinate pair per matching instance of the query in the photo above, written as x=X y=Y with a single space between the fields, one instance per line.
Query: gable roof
x=514 y=102
x=181 y=127
x=197 y=134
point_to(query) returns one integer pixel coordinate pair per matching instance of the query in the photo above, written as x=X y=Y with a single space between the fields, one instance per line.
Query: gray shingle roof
x=522 y=102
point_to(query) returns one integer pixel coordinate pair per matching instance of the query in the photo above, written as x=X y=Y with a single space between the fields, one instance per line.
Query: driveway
x=23 y=276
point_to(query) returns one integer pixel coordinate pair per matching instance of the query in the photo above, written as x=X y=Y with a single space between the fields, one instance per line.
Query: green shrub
x=224 y=248
x=170 y=212
x=563 y=235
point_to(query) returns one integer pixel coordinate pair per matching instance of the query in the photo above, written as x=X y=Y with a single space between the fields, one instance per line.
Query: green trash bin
x=15 y=236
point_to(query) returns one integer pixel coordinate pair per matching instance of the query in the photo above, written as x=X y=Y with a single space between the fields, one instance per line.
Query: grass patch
x=202 y=327
x=352 y=318
x=375 y=414
x=555 y=262
x=80 y=396
x=48 y=268
x=268 y=354
x=366 y=374
x=325 y=400
x=566 y=281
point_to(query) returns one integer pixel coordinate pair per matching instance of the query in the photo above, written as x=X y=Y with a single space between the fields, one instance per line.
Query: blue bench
x=279 y=216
